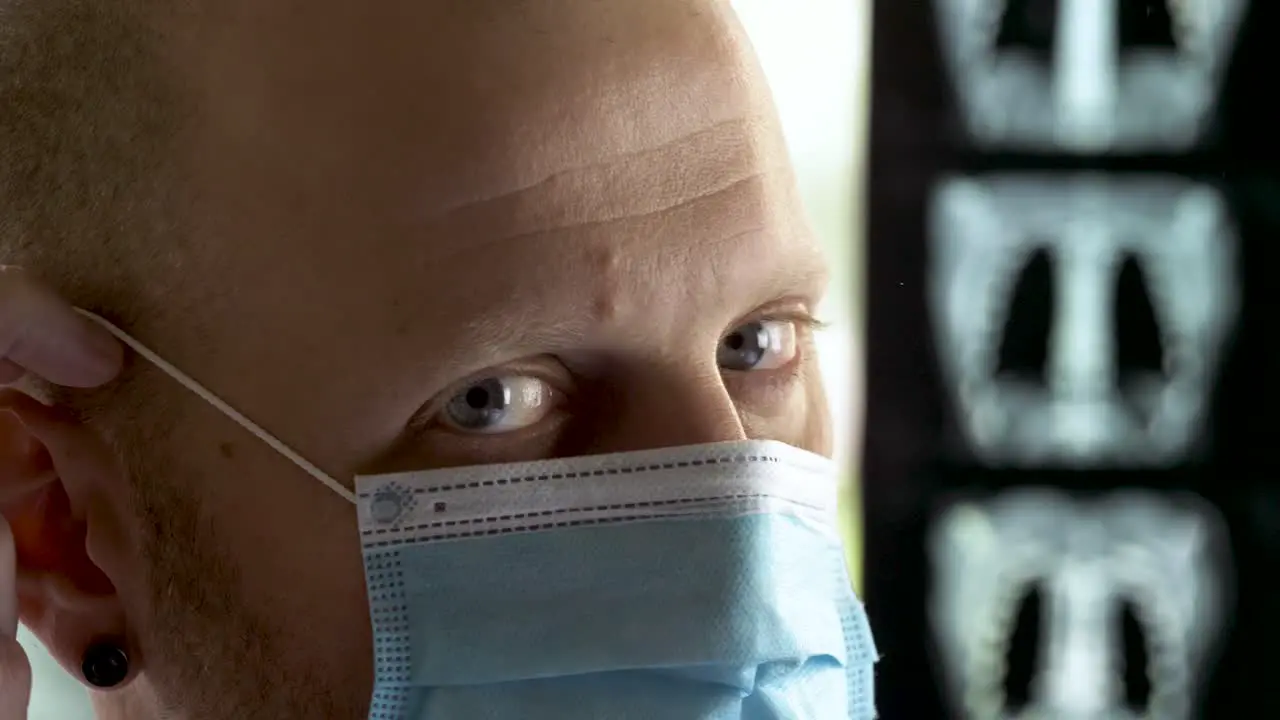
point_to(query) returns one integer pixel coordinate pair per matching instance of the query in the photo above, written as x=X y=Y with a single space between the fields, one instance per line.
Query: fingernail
x=8 y=582
x=105 y=349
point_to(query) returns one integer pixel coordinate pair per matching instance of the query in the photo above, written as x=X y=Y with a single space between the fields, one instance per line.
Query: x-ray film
x=982 y=234
x=1162 y=555
x=1087 y=91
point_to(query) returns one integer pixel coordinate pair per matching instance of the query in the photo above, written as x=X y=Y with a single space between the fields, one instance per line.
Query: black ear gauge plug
x=105 y=665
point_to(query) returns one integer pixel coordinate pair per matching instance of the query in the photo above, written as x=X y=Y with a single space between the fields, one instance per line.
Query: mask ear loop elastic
x=244 y=422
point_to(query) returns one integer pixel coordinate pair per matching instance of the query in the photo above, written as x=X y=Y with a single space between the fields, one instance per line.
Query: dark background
x=909 y=468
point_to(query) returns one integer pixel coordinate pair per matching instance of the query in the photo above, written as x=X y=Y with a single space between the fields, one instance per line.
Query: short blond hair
x=88 y=122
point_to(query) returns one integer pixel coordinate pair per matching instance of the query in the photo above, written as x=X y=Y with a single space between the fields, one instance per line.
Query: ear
x=60 y=485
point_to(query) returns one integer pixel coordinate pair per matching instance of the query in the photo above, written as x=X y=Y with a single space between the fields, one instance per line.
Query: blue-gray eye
x=498 y=404
x=759 y=345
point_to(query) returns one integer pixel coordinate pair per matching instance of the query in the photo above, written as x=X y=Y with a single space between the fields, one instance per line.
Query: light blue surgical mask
x=694 y=583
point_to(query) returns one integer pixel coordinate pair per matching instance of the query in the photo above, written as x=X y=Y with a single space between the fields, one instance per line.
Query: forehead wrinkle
x=709 y=262
x=587 y=226
x=634 y=184
x=507 y=98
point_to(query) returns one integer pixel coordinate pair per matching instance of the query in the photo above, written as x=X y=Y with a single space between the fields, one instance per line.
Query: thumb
x=15 y=670
x=15 y=680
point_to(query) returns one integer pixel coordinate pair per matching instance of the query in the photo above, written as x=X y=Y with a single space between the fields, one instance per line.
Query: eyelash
x=807 y=324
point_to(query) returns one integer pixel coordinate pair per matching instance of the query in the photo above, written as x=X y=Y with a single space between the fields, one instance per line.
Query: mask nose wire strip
x=244 y=422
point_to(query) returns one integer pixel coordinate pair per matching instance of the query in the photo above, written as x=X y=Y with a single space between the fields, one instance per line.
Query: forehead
x=456 y=101
x=407 y=171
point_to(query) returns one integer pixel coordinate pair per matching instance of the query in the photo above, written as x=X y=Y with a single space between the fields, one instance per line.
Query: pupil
x=481 y=405
x=744 y=348
x=477 y=398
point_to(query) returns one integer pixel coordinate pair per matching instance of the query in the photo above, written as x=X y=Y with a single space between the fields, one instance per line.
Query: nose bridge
x=670 y=410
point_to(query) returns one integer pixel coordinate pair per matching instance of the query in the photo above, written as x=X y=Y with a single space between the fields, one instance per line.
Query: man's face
x=406 y=211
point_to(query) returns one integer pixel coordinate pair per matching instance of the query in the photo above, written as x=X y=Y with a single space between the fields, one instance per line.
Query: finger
x=8 y=582
x=10 y=372
x=15 y=670
x=41 y=333
x=15 y=680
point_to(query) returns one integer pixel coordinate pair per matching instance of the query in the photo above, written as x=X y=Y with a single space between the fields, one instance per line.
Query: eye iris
x=482 y=405
x=745 y=347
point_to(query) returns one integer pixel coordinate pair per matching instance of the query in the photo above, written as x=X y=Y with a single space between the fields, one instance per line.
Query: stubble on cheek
x=209 y=655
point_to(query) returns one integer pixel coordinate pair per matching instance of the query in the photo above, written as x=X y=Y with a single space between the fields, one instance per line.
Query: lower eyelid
x=764 y=387
x=463 y=448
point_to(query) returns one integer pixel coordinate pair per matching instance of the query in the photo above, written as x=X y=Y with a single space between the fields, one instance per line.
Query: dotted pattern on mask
x=442 y=506
x=860 y=647
x=730 y=503
x=400 y=502
x=601 y=472
x=392 y=663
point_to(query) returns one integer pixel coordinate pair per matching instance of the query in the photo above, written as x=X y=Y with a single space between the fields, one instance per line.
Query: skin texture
x=389 y=202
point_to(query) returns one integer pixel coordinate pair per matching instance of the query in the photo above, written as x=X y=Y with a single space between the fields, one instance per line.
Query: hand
x=15 y=670
x=41 y=335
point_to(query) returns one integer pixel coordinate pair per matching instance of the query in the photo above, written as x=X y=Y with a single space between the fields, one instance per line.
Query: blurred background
x=1069 y=471
x=814 y=53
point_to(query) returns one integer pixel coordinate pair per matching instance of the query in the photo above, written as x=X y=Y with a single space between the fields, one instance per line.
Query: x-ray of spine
x=982 y=232
x=1090 y=94
x=1164 y=556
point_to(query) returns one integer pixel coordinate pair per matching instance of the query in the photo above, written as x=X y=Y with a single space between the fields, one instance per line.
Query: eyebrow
x=809 y=274
x=507 y=331
x=519 y=327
